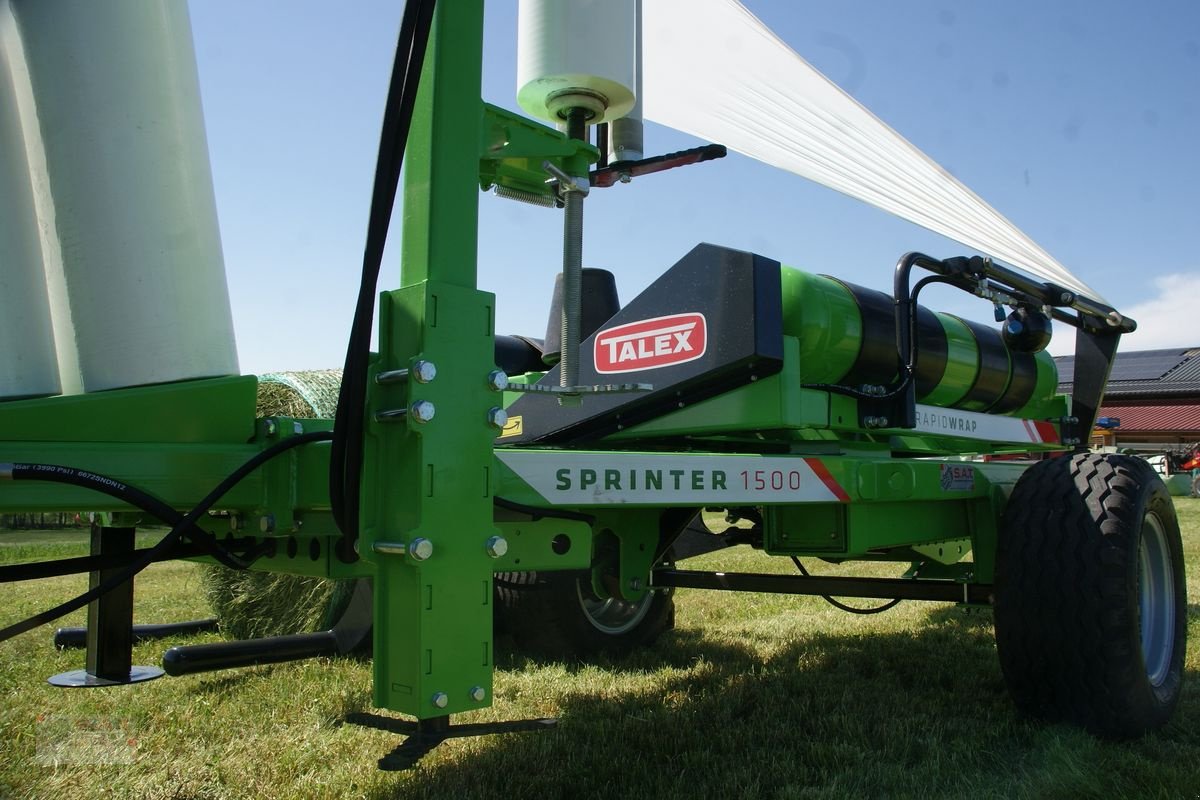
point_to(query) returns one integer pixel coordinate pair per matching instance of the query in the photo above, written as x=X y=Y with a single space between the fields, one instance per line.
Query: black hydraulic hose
x=345 y=462
x=536 y=512
x=168 y=541
x=36 y=570
x=55 y=473
x=906 y=322
x=858 y=394
x=890 y=604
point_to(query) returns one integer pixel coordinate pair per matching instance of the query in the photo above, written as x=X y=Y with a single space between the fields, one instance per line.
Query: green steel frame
x=437 y=481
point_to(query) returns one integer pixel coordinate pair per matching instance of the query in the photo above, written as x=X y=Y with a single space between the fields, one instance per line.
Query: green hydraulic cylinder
x=848 y=337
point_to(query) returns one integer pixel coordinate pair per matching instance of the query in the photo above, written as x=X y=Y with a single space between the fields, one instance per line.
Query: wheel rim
x=1156 y=600
x=612 y=616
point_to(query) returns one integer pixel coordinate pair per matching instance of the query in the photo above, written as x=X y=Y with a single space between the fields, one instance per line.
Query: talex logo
x=651 y=343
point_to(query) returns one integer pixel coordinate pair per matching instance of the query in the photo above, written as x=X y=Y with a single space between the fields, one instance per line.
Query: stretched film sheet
x=713 y=70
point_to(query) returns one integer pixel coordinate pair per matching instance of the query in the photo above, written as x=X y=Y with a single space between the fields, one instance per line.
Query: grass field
x=751 y=696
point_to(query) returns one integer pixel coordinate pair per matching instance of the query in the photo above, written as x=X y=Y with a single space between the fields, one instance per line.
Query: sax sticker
x=958 y=478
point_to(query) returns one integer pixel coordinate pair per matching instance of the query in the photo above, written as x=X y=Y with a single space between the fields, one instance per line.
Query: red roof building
x=1155 y=395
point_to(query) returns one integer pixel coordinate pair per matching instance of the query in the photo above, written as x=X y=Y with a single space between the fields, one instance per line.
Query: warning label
x=513 y=427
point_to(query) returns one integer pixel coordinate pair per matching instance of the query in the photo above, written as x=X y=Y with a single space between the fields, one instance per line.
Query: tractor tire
x=1090 y=604
x=557 y=615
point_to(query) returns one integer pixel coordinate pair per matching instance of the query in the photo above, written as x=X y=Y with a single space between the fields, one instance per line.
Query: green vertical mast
x=427 y=506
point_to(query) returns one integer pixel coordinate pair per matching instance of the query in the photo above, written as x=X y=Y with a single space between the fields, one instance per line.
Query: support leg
x=426 y=734
x=110 y=622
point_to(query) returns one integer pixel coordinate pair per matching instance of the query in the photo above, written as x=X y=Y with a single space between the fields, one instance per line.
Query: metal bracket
x=426 y=734
x=576 y=391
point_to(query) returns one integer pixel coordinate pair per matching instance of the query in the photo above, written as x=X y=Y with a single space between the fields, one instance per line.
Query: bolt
x=421 y=372
x=478 y=693
x=624 y=177
x=271 y=426
x=497 y=417
x=1066 y=298
x=496 y=546
x=635 y=584
x=440 y=700
x=422 y=411
x=266 y=523
x=424 y=371
x=420 y=549
x=497 y=381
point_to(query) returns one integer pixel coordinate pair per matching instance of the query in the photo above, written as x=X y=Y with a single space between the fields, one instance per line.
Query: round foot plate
x=81 y=677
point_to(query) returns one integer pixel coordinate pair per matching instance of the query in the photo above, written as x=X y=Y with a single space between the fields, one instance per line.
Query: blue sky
x=1077 y=120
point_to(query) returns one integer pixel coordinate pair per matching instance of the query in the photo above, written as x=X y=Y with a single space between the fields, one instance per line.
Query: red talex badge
x=651 y=343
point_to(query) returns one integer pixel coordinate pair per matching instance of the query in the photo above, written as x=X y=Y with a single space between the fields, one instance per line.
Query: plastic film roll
x=576 y=55
x=28 y=363
x=118 y=111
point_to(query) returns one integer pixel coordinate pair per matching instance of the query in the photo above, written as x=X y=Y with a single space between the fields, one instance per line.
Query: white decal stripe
x=972 y=425
x=575 y=479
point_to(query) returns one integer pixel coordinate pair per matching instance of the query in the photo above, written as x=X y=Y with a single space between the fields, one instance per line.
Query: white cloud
x=1166 y=320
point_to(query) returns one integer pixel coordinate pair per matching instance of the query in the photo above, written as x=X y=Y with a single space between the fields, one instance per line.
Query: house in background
x=1154 y=394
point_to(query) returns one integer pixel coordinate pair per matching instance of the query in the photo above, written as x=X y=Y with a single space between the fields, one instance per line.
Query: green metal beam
x=441 y=161
x=427 y=487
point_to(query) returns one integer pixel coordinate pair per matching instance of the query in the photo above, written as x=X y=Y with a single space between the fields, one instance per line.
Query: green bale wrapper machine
x=557 y=485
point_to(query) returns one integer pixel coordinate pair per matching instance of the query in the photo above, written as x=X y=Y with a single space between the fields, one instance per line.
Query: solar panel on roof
x=1145 y=366
x=1187 y=372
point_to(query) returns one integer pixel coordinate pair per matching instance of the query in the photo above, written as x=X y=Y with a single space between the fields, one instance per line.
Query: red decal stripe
x=822 y=472
x=1047 y=431
x=1029 y=429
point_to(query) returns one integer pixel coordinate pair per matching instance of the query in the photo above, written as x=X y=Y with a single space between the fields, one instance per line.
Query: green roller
x=847 y=335
x=962 y=364
x=824 y=317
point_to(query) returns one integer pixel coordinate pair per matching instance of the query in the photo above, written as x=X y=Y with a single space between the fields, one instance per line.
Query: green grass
x=751 y=696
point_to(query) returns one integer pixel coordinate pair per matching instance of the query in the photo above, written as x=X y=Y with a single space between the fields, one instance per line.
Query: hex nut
x=496 y=546
x=422 y=411
x=497 y=381
x=440 y=700
x=420 y=549
x=497 y=417
x=423 y=371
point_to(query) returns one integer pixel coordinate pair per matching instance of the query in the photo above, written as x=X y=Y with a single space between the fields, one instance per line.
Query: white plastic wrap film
x=712 y=69
x=121 y=126
x=28 y=363
x=583 y=44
